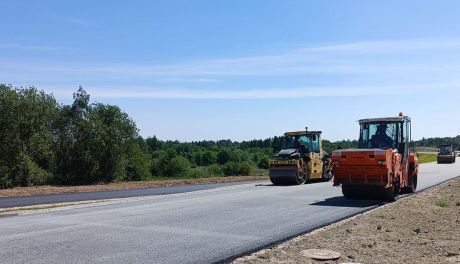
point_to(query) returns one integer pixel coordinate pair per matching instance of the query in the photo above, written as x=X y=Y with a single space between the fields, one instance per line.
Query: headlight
x=381 y=162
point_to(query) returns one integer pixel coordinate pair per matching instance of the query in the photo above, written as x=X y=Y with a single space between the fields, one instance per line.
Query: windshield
x=379 y=135
x=306 y=143
x=296 y=142
x=447 y=148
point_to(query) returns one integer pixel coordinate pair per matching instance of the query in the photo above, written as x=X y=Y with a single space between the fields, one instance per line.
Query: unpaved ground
x=43 y=190
x=422 y=229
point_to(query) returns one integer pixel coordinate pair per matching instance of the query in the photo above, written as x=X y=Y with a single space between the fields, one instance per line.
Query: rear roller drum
x=288 y=180
x=350 y=192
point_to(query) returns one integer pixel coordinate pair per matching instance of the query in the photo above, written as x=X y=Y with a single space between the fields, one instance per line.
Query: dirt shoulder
x=44 y=190
x=424 y=228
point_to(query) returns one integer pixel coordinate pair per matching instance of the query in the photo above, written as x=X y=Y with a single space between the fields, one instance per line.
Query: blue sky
x=193 y=70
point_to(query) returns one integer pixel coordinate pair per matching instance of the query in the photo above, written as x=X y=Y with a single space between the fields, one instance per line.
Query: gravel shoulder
x=46 y=190
x=422 y=228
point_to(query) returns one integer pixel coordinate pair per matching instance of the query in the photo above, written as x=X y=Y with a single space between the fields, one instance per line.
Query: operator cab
x=445 y=149
x=297 y=144
x=386 y=133
x=303 y=142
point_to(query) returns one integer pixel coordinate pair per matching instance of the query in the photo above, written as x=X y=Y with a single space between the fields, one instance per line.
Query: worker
x=297 y=143
x=381 y=139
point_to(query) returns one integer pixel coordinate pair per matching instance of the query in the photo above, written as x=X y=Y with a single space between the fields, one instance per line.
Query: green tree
x=223 y=156
x=231 y=168
x=25 y=113
x=208 y=158
x=160 y=160
x=245 y=168
x=115 y=132
x=263 y=162
x=137 y=164
x=215 y=170
x=177 y=167
x=75 y=151
x=9 y=136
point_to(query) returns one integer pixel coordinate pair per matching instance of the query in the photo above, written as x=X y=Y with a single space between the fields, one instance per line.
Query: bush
x=37 y=175
x=234 y=168
x=215 y=170
x=208 y=158
x=231 y=168
x=263 y=162
x=223 y=156
x=5 y=180
x=177 y=167
x=198 y=172
x=245 y=168
x=137 y=165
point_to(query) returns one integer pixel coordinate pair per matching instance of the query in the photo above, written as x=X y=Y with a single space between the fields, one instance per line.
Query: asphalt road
x=194 y=227
x=87 y=196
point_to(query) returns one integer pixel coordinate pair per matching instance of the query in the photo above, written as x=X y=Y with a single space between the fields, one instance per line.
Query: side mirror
x=275 y=150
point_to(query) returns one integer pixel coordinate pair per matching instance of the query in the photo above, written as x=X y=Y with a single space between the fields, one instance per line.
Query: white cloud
x=28 y=47
x=388 y=46
x=373 y=67
x=277 y=93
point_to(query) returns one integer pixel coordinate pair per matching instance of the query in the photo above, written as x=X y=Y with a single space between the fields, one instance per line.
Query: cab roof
x=385 y=119
x=302 y=133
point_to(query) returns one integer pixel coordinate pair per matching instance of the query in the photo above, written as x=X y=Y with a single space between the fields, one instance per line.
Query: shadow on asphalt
x=306 y=183
x=341 y=201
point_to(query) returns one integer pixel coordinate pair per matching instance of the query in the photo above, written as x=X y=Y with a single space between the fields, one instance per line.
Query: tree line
x=437 y=141
x=44 y=142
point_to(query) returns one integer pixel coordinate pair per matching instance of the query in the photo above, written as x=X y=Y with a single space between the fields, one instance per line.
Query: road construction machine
x=382 y=166
x=301 y=159
x=446 y=154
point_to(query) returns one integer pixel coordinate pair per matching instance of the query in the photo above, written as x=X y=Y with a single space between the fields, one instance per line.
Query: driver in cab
x=381 y=139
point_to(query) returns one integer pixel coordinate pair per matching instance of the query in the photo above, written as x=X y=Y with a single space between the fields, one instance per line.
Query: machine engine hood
x=286 y=153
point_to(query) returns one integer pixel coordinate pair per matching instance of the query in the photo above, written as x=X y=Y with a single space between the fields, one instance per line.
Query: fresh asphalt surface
x=194 y=227
x=72 y=197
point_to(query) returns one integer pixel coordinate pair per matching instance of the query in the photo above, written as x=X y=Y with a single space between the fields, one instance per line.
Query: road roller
x=383 y=165
x=300 y=160
x=446 y=154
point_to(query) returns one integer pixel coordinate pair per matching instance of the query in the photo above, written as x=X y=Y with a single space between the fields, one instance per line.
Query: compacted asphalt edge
x=19 y=201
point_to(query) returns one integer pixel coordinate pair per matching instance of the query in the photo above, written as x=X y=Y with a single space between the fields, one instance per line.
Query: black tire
x=393 y=192
x=327 y=175
x=414 y=183
x=390 y=194
x=412 y=188
x=300 y=179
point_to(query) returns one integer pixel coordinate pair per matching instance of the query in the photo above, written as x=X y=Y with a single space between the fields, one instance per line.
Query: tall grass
x=425 y=157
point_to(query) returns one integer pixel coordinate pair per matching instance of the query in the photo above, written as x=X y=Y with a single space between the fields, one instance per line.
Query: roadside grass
x=425 y=157
x=442 y=203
